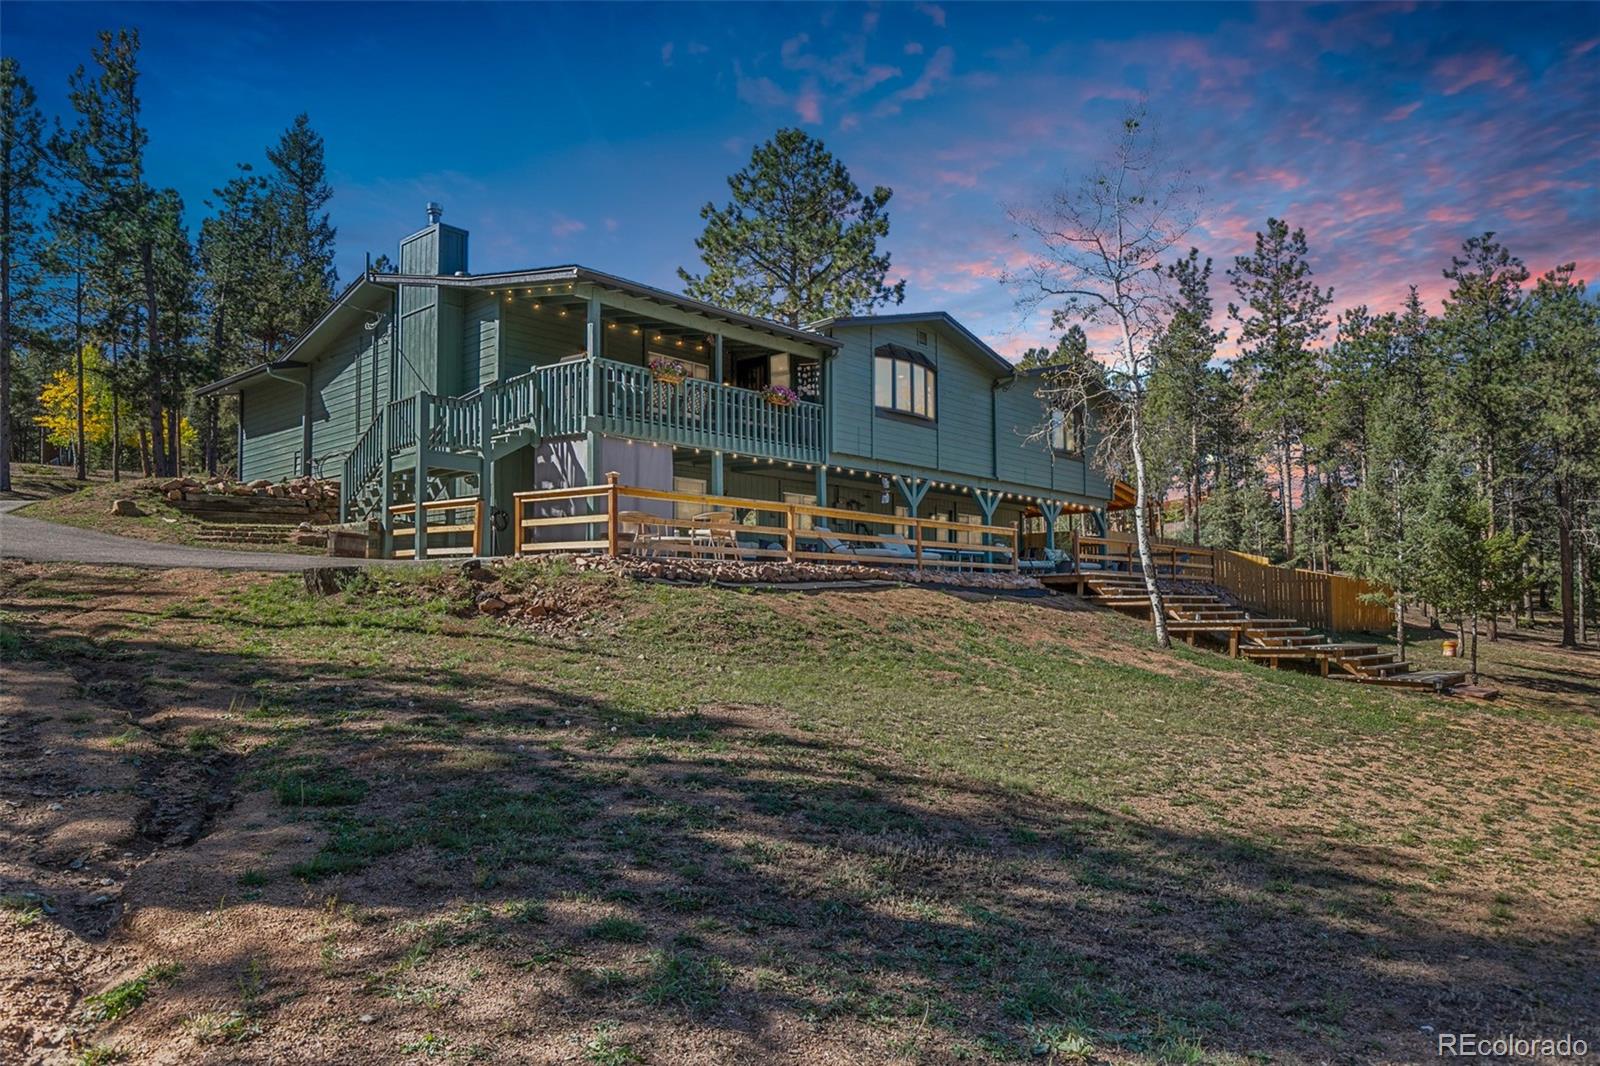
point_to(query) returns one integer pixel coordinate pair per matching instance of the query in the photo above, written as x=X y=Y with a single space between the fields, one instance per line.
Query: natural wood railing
x=605 y=515
x=464 y=503
x=1332 y=601
x=1170 y=559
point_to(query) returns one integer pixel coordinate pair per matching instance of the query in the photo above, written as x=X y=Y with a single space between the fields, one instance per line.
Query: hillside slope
x=648 y=823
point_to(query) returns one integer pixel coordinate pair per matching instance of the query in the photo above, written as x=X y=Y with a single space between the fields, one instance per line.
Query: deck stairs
x=1195 y=611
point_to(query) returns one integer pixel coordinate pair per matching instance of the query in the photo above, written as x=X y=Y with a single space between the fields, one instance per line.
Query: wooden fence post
x=477 y=527
x=611 y=512
x=789 y=521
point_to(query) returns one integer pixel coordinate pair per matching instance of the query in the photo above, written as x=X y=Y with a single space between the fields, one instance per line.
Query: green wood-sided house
x=486 y=385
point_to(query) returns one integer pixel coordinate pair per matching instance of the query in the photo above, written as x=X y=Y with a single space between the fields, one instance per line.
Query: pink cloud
x=956 y=177
x=934 y=12
x=913 y=48
x=1454 y=216
x=1403 y=112
x=1459 y=73
x=565 y=227
x=808 y=105
x=934 y=73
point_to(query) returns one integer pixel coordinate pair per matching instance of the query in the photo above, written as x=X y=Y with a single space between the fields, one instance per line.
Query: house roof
x=1003 y=366
x=359 y=299
x=574 y=272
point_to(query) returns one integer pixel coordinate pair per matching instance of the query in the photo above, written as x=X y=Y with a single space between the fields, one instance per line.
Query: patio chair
x=715 y=532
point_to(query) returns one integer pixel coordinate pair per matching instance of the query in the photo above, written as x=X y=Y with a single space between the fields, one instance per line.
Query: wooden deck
x=1194 y=614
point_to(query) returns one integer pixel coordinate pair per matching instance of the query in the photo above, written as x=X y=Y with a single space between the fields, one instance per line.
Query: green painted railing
x=705 y=414
x=561 y=400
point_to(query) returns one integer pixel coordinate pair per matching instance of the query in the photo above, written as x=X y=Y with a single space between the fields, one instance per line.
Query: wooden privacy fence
x=1332 y=601
x=611 y=518
x=454 y=530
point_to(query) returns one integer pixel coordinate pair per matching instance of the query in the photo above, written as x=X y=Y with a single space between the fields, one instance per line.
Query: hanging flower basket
x=780 y=396
x=668 y=371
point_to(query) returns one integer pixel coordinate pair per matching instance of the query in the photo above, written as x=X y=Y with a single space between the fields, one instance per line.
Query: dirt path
x=46 y=542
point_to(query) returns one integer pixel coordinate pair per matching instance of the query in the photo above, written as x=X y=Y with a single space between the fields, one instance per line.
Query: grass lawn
x=681 y=825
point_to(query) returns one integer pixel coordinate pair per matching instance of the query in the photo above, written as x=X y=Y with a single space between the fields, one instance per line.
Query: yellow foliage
x=59 y=400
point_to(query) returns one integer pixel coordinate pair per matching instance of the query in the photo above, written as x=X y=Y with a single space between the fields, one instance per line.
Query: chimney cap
x=435 y=212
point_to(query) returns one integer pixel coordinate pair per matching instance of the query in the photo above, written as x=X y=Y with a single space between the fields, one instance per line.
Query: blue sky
x=593 y=133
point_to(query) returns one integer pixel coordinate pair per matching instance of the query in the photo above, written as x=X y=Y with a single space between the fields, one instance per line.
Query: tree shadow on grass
x=513 y=867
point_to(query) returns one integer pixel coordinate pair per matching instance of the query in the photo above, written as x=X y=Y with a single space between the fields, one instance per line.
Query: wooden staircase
x=1194 y=611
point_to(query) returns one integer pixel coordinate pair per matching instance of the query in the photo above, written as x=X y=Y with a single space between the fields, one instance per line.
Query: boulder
x=175 y=485
x=174 y=495
x=491 y=605
x=126 y=509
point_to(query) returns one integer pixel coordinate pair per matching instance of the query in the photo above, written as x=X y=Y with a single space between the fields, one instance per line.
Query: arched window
x=904 y=381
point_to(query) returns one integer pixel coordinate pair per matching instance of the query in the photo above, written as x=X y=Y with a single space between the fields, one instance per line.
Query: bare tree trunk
x=1400 y=625
x=1286 y=486
x=81 y=464
x=1580 y=574
x=5 y=347
x=1569 y=637
x=144 y=450
x=1158 y=606
x=158 y=451
x=1474 y=649
x=116 y=434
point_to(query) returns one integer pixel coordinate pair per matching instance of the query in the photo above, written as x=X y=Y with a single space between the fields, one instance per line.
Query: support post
x=718 y=477
x=486 y=428
x=822 y=485
x=419 y=487
x=789 y=522
x=716 y=360
x=385 y=518
x=612 y=477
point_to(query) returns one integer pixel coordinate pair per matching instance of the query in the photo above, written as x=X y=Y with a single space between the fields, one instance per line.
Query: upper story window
x=904 y=381
x=1066 y=431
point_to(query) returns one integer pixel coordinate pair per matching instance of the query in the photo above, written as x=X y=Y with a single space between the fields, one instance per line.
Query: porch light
x=537 y=305
x=563 y=312
x=611 y=325
x=635 y=331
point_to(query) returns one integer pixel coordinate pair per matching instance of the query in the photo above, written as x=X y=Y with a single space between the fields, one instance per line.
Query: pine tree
x=298 y=193
x=1467 y=572
x=21 y=181
x=798 y=241
x=1282 y=314
x=1185 y=389
x=1072 y=347
x=1564 y=369
x=229 y=240
x=1481 y=331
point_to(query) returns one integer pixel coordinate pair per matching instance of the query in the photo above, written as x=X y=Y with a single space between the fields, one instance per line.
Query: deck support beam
x=419 y=487
x=822 y=484
x=717 y=474
x=385 y=519
x=486 y=473
x=1052 y=514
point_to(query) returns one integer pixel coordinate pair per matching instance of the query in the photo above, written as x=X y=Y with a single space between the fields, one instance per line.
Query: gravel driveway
x=46 y=542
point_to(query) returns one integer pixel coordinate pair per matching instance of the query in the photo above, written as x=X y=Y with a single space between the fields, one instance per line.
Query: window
x=1066 y=431
x=922 y=337
x=904 y=382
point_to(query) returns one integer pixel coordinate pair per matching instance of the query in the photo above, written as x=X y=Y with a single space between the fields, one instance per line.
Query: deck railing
x=1169 y=558
x=634 y=402
x=612 y=518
